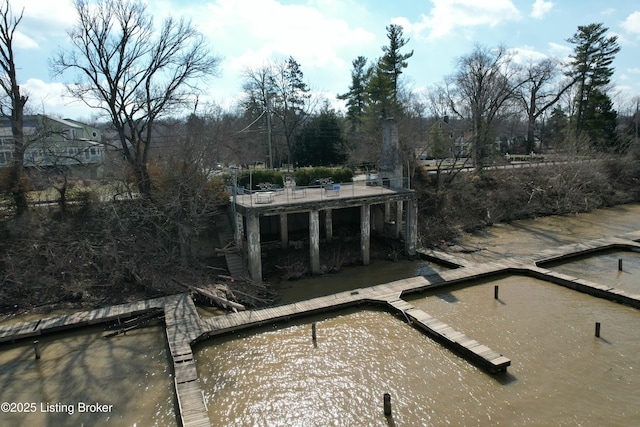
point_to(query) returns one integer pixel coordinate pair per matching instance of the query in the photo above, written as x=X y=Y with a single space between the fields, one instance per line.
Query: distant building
x=54 y=142
x=455 y=142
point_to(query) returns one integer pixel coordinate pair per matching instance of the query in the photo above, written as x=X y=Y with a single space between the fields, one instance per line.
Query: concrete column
x=239 y=231
x=399 y=209
x=284 y=231
x=253 y=243
x=365 y=233
x=328 y=224
x=314 y=241
x=387 y=211
x=411 y=236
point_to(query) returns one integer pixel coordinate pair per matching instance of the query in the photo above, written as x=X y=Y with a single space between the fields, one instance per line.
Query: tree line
x=144 y=78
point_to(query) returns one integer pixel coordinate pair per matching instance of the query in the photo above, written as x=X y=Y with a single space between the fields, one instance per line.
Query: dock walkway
x=184 y=326
x=453 y=339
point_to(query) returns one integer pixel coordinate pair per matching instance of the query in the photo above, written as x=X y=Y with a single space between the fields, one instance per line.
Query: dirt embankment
x=470 y=201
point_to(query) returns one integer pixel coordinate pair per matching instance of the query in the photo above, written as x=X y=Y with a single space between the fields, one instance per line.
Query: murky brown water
x=352 y=278
x=129 y=372
x=560 y=374
x=602 y=268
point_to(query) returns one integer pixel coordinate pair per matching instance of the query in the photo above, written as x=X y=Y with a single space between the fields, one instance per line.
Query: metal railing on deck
x=323 y=190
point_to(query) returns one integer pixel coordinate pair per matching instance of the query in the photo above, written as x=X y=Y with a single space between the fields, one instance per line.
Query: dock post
x=598 y=329
x=313 y=331
x=36 y=348
x=387 y=404
x=620 y=264
x=495 y=291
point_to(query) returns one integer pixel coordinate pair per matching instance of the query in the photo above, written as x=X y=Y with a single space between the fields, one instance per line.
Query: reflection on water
x=130 y=372
x=560 y=374
x=279 y=377
x=351 y=278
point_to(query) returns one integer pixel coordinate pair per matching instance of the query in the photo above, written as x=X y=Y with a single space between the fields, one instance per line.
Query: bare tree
x=480 y=89
x=134 y=72
x=13 y=105
x=540 y=91
x=278 y=90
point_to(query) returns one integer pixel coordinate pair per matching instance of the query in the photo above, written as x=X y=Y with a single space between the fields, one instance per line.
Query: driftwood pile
x=232 y=294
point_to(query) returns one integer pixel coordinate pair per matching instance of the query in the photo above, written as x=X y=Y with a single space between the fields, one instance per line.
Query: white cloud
x=632 y=23
x=527 y=54
x=447 y=16
x=51 y=98
x=541 y=8
x=22 y=41
x=559 y=49
x=254 y=31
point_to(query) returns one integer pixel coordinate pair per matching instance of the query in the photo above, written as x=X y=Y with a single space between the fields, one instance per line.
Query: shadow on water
x=83 y=367
x=450 y=298
x=604 y=340
x=505 y=378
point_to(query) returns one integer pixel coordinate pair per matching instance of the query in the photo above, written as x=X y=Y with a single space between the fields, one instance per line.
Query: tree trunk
x=143 y=181
x=18 y=181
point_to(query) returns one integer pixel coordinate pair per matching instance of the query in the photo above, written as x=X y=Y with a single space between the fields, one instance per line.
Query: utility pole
x=637 y=104
x=269 y=138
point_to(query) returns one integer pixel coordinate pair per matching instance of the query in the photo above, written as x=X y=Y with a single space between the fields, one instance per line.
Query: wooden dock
x=456 y=341
x=17 y=331
x=184 y=326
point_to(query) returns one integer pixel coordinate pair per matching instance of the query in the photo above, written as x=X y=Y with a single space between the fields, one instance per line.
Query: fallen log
x=224 y=303
x=135 y=323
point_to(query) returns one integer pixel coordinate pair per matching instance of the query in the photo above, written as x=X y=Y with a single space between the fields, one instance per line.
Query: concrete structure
x=390 y=169
x=314 y=201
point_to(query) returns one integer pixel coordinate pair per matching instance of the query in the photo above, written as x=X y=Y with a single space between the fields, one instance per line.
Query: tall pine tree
x=357 y=96
x=591 y=68
x=384 y=82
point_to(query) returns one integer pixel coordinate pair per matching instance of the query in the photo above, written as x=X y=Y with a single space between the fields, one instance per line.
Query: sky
x=325 y=36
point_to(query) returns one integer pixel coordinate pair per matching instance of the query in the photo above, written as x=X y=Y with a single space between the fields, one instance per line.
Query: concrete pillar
x=284 y=231
x=411 y=236
x=365 y=233
x=239 y=231
x=314 y=241
x=387 y=211
x=399 y=209
x=377 y=218
x=253 y=243
x=328 y=225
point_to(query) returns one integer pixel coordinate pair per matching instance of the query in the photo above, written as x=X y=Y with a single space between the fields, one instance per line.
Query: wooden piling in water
x=495 y=292
x=620 y=264
x=598 y=329
x=313 y=331
x=387 y=404
x=36 y=348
